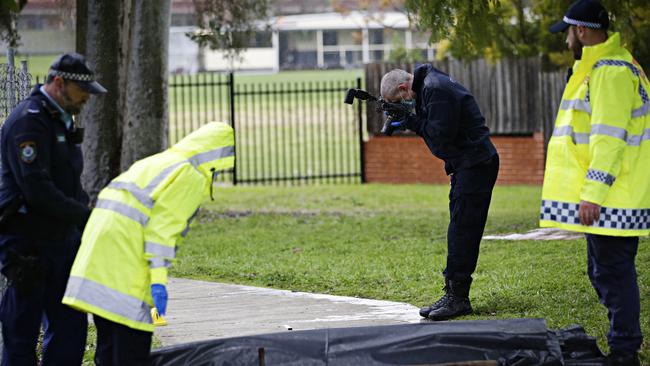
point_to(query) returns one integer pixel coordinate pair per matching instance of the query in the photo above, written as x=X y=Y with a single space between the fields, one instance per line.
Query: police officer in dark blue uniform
x=448 y=118
x=43 y=210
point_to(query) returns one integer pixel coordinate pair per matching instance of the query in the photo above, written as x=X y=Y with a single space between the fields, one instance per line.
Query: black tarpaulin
x=517 y=342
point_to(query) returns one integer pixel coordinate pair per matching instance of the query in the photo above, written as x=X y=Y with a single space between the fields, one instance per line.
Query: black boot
x=424 y=312
x=454 y=303
x=622 y=359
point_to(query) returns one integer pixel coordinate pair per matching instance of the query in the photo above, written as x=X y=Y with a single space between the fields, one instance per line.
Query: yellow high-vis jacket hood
x=600 y=148
x=140 y=217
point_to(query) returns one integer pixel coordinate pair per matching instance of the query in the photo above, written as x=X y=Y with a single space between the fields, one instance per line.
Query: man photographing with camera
x=447 y=117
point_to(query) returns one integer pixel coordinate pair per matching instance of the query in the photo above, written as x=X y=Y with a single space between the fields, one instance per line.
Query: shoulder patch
x=28 y=152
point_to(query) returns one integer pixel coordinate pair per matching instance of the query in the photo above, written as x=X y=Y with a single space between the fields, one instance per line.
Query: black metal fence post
x=231 y=92
x=362 y=155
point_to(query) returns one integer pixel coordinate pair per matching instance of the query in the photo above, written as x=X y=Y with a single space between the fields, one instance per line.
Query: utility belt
x=24 y=272
x=9 y=211
x=16 y=220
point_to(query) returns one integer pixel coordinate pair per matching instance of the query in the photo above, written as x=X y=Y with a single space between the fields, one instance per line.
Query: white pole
x=365 y=46
x=275 y=41
x=319 y=49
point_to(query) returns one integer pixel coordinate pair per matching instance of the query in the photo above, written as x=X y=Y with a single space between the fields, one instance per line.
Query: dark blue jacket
x=41 y=164
x=449 y=120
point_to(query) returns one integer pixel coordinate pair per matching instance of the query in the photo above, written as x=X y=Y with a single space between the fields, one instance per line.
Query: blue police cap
x=586 y=13
x=73 y=67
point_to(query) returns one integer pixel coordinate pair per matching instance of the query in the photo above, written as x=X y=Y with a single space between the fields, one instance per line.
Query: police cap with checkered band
x=73 y=67
x=586 y=13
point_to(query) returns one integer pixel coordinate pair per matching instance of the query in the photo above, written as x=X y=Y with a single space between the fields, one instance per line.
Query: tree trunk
x=106 y=36
x=81 y=26
x=145 y=127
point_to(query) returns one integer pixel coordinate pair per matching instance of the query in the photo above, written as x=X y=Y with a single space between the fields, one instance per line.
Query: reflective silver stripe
x=205 y=157
x=144 y=194
x=581 y=138
x=563 y=131
x=195 y=160
x=577 y=138
x=610 y=218
x=108 y=299
x=137 y=192
x=616 y=132
x=157 y=262
x=600 y=176
x=159 y=249
x=636 y=140
x=641 y=111
x=128 y=211
x=161 y=176
x=577 y=104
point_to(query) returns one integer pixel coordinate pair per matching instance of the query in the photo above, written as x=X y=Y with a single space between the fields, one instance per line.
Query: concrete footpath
x=200 y=310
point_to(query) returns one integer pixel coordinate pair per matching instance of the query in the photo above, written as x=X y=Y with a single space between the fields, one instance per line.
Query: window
x=330 y=38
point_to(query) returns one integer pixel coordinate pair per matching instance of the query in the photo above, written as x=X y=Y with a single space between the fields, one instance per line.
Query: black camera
x=395 y=112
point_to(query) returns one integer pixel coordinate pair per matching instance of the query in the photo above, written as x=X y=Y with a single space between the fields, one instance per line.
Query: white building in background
x=304 y=41
x=310 y=41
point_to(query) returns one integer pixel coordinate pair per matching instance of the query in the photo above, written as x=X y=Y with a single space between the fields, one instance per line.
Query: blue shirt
x=65 y=116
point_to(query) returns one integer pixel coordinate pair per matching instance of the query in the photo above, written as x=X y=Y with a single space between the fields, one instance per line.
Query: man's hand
x=588 y=213
x=159 y=295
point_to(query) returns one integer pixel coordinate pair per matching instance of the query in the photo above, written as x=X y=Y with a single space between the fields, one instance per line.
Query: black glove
x=23 y=272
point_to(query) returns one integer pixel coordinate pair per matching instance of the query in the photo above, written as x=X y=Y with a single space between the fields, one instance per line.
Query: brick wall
x=406 y=159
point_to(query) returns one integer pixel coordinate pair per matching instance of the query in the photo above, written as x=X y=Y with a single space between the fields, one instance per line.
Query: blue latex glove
x=159 y=295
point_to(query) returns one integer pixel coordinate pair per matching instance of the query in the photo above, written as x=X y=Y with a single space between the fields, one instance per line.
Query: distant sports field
x=38 y=65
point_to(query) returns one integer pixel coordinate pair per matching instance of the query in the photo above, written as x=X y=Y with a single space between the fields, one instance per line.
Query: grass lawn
x=388 y=242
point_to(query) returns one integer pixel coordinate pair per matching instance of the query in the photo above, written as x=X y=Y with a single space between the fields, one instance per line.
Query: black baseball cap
x=586 y=13
x=73 y=67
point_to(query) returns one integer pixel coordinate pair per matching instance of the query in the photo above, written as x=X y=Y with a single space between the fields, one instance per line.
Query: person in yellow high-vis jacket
x=131 y=238
x=597 y=179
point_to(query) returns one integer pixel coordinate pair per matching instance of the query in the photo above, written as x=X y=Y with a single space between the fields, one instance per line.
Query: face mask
x=409 y=103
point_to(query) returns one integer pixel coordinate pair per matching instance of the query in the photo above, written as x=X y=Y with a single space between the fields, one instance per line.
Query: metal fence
x=15 y=85
x=286 y=132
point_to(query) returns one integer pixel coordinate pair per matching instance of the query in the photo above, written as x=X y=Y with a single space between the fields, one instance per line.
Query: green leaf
x=11 y=5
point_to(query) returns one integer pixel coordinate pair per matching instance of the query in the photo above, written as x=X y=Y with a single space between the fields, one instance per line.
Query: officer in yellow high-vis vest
x=131 y=238
x=597 y=177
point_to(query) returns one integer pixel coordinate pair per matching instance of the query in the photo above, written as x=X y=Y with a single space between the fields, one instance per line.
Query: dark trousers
x=469 y=203
x=610 y=263
x=22 y=312
x=119 y=345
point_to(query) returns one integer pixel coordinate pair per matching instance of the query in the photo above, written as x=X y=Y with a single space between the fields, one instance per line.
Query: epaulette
x=33 y=107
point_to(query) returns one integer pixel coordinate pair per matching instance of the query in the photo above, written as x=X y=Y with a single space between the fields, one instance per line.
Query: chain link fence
x=15 y=85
